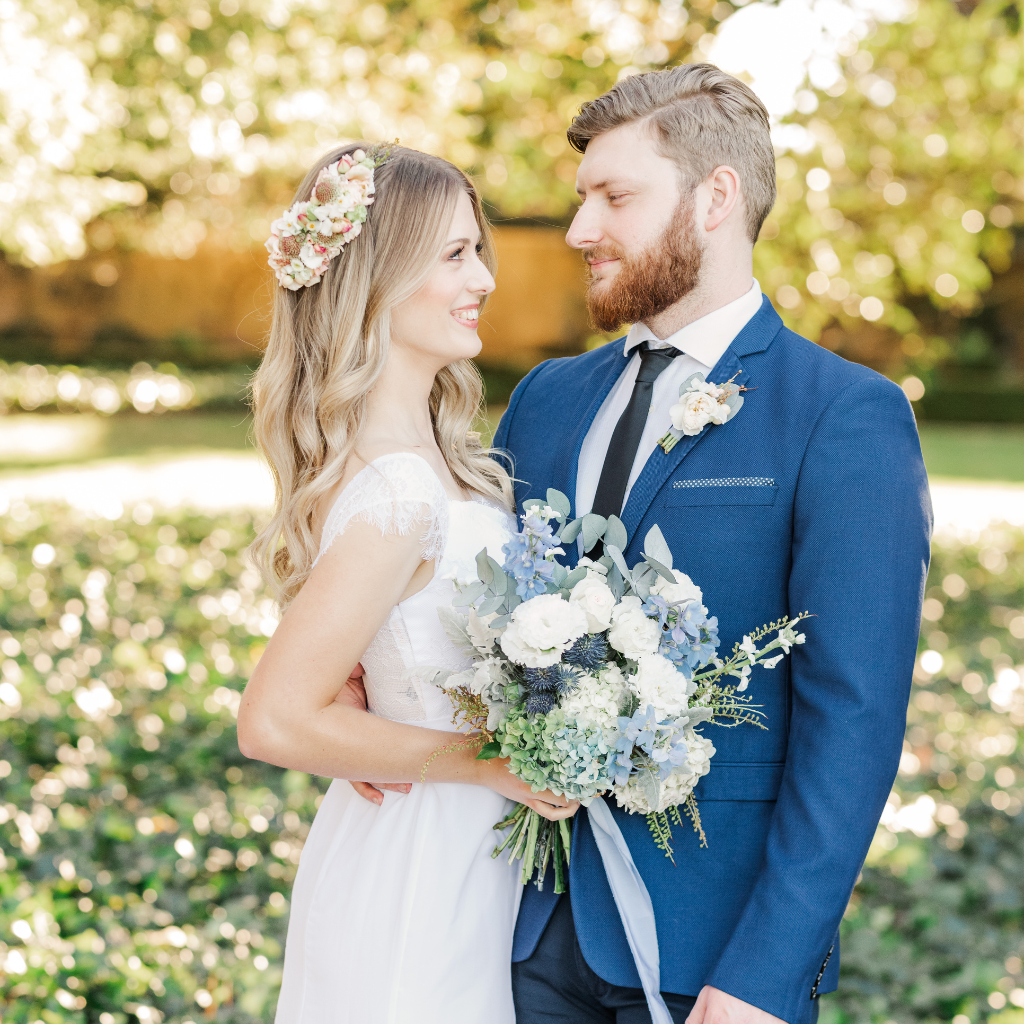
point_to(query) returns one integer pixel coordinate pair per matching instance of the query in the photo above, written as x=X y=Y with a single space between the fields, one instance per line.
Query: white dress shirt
x=701 y=345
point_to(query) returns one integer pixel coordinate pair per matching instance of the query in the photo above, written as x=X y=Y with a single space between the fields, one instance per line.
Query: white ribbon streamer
x=634 y=905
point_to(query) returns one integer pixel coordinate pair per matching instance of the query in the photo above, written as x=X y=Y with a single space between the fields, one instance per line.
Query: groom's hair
x=702 y=118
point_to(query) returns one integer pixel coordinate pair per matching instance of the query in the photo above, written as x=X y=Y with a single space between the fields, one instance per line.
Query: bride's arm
x=288 y=714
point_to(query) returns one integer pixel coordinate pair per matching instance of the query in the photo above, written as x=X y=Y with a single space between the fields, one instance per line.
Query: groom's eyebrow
x=603 y=186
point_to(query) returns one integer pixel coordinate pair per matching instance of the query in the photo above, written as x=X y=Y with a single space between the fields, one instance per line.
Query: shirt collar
x=705 y=339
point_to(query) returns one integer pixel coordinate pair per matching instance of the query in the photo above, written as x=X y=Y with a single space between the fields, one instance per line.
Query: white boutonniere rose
x=700 y=403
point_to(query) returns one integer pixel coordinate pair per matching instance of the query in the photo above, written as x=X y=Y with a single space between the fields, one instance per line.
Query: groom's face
x=636 y=228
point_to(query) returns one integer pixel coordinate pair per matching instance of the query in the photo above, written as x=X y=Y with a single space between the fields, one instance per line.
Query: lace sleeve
x=396 y=493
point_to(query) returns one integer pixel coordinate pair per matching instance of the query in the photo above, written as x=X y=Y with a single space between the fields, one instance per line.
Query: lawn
x=960 y=451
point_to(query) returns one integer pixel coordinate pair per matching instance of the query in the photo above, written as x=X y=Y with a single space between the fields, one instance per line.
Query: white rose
x=633 y=633
x=683 y=591
x=594 y=596
x=541 y=629
x=692 y=412
x=657 y=681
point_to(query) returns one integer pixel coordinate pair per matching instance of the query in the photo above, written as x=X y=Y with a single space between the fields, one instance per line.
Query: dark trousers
x=557 y=984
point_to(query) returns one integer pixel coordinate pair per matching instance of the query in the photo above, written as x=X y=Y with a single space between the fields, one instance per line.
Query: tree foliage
x=218 y=108
x=170 y=122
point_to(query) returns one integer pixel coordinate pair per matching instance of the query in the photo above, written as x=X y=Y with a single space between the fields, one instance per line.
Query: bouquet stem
x=536 y=841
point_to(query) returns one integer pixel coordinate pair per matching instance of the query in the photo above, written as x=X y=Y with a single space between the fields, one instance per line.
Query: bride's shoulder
x=394 y=492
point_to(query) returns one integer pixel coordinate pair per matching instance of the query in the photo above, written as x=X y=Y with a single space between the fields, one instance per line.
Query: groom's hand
x=353 y=695
x=714 y=1006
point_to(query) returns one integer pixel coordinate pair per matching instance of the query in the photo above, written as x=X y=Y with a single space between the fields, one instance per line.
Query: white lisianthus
x=658 y=682
x=596 y=701
x=541 y=629
x=633 y=634
x=678 y=786
x=695 y=410
x=683 y=591
x=596 y=599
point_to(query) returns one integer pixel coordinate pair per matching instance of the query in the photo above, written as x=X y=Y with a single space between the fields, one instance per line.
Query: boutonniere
x=700 y=403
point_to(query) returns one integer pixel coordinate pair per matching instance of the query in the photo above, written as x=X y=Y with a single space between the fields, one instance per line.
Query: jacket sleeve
x=861 y=530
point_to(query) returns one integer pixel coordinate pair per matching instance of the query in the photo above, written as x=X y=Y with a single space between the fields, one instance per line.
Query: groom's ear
x=723 y=199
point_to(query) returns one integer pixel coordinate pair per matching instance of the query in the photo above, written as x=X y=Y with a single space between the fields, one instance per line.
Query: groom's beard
x=649 y=282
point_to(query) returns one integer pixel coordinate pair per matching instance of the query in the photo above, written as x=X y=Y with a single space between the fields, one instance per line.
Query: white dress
x=399 y=914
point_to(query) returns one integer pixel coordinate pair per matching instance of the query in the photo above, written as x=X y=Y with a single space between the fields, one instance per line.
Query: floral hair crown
x=303 y=242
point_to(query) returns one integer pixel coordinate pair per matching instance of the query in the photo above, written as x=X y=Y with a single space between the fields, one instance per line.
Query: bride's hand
x=494 y=774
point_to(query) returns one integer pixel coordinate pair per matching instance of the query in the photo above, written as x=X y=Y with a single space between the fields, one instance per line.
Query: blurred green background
x=145 y=867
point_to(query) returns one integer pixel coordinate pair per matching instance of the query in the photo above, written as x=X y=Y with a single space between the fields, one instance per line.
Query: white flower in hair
x=308 y=235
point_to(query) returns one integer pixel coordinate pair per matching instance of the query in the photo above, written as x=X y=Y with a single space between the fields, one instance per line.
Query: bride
x=363 y=405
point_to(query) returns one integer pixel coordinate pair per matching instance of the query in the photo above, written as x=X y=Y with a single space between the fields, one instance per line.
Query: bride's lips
x=468 y=316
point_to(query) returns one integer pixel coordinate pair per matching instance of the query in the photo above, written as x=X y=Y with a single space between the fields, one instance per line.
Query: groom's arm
x=862 y=523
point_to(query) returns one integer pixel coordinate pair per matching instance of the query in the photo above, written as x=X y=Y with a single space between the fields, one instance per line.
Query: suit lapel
x=756 y=336
x=592 y=391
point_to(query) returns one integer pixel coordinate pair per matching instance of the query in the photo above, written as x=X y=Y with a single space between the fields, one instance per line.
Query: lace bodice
x=400 y=493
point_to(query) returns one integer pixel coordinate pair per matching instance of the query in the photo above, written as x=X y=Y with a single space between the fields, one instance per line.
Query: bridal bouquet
x=596 y=680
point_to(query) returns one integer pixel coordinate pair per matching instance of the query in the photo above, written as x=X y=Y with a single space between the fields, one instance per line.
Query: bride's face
x=439 y=322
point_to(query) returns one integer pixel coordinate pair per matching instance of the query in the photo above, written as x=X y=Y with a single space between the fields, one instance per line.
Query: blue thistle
x=589 y=652
x=539 y=703
x=541 y=680
x=566 y=678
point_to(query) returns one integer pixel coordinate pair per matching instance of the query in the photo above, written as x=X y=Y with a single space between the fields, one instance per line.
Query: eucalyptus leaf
x=483 y=567
x=641 y=588
x=620 y=563
x=500 y=622
x=570 y=531
x=578 y=574
x=469 y=594
x=559 y=573
x=660 y=569
x=512 y=600
x=593 y=529
x=615 y=582
x=492 y=604
x=615 y=534
x=559 y=502
x=655 y=545
x=499 y=585
x=689 y=380
x=532 y=503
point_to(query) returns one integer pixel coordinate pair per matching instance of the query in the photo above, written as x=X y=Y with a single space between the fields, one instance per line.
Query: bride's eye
x=457 y=255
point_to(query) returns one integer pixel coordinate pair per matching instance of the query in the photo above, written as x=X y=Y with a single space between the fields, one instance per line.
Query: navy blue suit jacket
x=814 y=496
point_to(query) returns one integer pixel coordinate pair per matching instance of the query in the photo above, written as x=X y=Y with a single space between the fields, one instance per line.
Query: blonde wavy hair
x=329 y=345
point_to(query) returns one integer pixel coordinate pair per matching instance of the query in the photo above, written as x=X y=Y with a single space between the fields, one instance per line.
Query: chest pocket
x=728 y=490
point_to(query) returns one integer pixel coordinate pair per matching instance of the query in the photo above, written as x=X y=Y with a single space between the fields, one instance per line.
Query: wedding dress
x=399 y=914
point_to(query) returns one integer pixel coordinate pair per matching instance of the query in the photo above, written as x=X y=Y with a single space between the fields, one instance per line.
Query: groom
x=812 y=497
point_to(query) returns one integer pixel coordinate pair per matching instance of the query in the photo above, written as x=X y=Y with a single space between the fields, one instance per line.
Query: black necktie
x=618 y=463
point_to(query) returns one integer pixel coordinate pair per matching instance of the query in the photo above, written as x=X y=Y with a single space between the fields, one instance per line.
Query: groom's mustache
x=597 y=255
